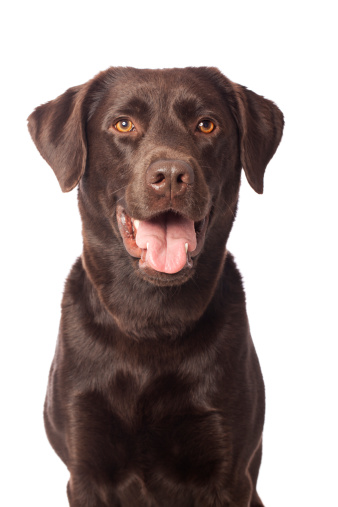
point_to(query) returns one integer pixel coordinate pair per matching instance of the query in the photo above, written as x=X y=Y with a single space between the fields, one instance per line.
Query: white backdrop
x=285 y=242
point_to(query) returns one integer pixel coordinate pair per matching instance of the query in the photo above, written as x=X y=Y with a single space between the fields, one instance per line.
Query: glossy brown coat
x=155 y=396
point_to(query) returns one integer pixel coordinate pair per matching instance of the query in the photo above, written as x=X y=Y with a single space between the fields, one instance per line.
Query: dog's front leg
x=83 y=492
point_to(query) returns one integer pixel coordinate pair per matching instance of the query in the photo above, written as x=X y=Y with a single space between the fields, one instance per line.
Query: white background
x=285 y=241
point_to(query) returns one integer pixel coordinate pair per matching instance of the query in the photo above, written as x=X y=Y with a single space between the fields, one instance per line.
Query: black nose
x=169 y=178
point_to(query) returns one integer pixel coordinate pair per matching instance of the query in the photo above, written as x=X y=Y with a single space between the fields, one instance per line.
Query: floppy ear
x=58 y=130
x=261 y=125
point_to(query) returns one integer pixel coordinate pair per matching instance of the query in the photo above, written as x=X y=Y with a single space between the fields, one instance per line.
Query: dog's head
x=158 y=155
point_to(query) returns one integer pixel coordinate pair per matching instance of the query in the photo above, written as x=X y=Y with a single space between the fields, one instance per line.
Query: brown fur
x=155 y=395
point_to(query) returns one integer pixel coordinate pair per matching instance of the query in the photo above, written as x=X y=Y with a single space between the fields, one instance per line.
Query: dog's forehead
x=182 y=90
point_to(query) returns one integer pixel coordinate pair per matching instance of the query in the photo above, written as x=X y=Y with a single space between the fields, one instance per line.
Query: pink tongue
x=164 y=238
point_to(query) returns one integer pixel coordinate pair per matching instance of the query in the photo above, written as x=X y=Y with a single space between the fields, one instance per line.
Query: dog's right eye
x=124 y=126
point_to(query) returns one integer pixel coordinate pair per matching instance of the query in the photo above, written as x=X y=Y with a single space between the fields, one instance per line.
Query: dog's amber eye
x=124 y=126
x=206 y=126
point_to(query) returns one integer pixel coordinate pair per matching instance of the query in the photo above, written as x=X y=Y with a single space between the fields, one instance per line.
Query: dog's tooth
x=147 y=245
x=136 y=224
x=186 y=248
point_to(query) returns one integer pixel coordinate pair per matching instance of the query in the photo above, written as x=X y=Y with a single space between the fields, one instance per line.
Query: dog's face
x=162 y=153
x=157 y=155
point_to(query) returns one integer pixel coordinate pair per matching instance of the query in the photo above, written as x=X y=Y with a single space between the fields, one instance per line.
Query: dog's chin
x=163 y=279
x=147 y=267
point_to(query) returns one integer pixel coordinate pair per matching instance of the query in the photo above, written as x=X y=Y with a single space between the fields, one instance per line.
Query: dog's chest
x=157 y=429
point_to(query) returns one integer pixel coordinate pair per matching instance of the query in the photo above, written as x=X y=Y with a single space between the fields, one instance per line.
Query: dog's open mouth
x=166 y=243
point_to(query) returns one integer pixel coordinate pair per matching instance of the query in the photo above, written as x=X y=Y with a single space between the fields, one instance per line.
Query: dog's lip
x=128 y=226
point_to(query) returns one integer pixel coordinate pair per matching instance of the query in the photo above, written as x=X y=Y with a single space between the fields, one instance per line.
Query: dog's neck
x=176 y=310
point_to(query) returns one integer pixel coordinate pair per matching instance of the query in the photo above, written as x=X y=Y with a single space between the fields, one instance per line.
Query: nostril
x=158 y=178
x=184 y=178
x=182 y=174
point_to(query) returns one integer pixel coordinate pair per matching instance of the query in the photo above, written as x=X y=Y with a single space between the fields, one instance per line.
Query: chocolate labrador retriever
x=155 y=394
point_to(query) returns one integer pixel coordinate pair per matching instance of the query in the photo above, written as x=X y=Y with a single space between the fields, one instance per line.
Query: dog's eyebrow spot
x=134 y=108
x=138 y=107
x=192 y=109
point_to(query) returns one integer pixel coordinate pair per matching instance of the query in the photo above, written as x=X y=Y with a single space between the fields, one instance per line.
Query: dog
x=155 y=394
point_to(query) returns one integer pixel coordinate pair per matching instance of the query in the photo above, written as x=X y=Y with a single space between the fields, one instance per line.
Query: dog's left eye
x=124 y=126
x=206 y=126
